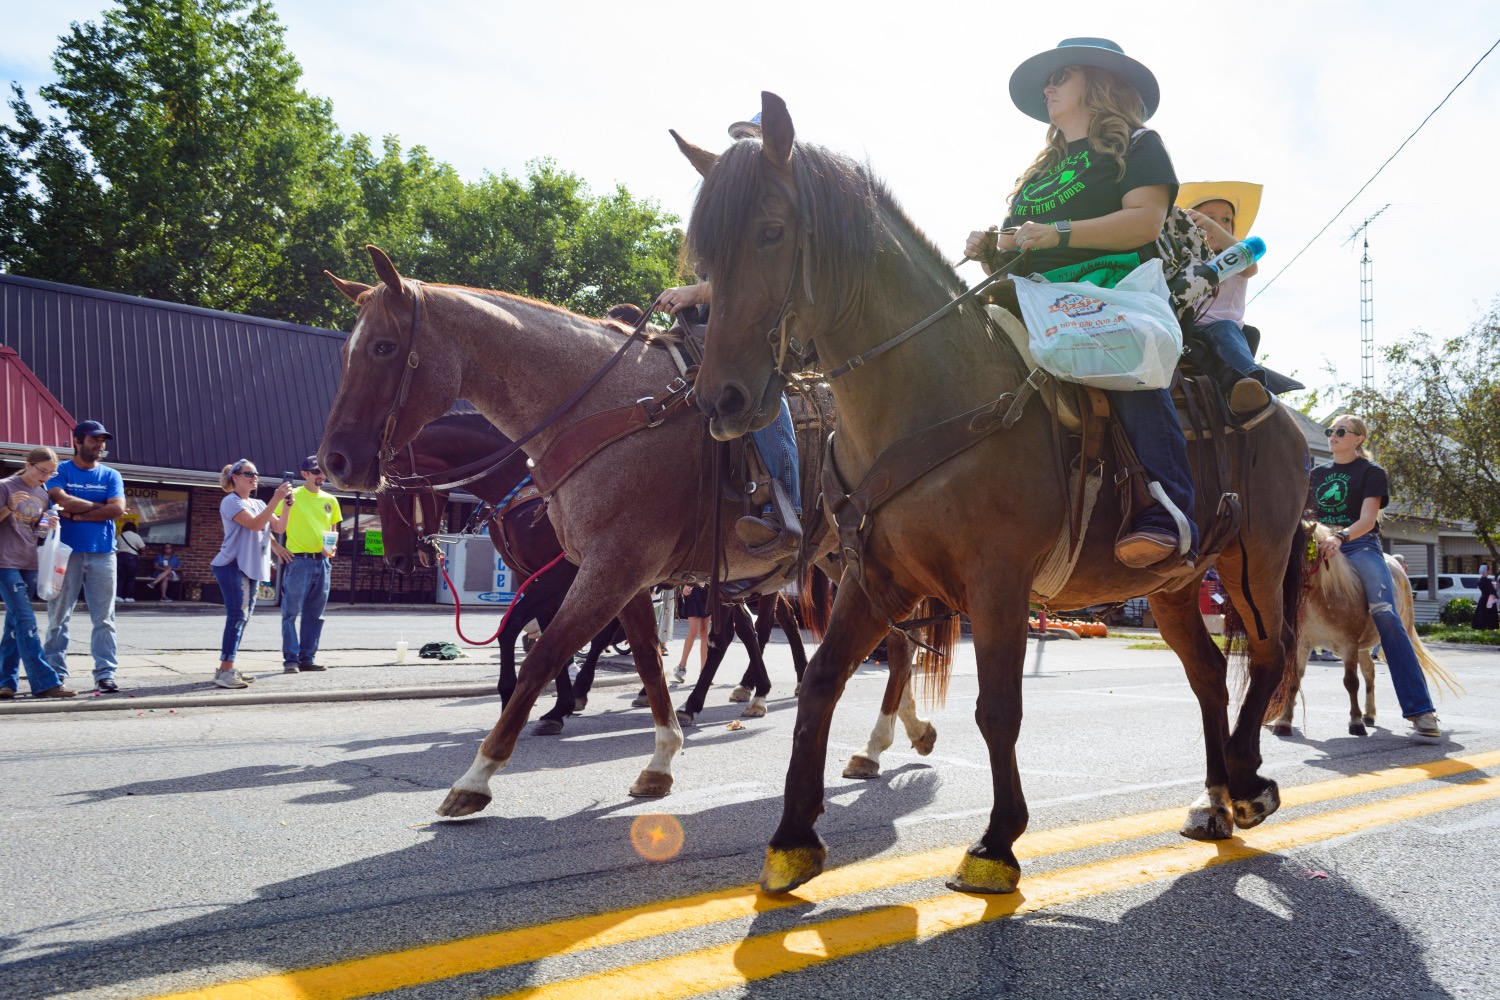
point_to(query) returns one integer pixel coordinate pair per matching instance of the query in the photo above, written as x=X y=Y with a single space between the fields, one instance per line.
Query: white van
x=1449 y=587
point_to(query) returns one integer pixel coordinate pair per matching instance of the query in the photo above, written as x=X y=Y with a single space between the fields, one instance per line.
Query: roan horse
x=631 y=516
x=410 y=515
x=811 y=258
x=1338 y=618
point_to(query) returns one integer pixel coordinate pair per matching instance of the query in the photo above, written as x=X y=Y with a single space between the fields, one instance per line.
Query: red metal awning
x=29 y=414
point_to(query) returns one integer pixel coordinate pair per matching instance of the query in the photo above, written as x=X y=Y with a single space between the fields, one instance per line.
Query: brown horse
x=1338 y=618
x=631 y=516
x=810 y=257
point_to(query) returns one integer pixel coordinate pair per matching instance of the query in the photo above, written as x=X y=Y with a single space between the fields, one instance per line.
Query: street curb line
x=211 y=699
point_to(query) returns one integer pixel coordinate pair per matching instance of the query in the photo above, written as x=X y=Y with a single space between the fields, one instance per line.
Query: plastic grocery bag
x=51 y=566
x=1125 y=337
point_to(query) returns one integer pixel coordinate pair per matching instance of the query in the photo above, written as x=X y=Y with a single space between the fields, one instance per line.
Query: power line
x=1367 y=183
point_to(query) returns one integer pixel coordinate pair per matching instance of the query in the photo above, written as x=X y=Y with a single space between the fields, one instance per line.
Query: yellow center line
x=431 y=963
x=737 y=963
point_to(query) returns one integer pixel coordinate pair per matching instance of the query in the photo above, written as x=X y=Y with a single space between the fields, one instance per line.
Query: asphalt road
x=244 y=851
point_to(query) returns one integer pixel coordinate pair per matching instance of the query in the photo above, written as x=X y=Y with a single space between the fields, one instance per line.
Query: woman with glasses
x=24 y=523
x=1347 y=495
x=244 y=559
x=1090 y=208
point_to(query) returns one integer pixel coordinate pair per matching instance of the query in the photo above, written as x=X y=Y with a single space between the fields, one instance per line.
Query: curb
x=212 y=699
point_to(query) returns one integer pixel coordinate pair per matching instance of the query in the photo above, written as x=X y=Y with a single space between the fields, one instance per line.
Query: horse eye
x=771 y=233
x=385 y=349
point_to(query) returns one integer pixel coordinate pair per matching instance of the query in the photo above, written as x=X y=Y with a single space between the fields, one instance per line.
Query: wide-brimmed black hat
x=1027 y=82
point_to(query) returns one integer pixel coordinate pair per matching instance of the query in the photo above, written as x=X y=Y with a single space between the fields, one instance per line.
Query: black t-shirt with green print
x=1337 y=492
x=1087 y=185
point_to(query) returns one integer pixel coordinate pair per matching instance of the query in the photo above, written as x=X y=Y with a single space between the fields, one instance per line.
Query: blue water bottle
x=1238 y=257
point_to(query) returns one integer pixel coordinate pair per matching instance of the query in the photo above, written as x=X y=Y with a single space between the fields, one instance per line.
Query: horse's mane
x=653 y=336
x=1336 y=577
x=841 y=201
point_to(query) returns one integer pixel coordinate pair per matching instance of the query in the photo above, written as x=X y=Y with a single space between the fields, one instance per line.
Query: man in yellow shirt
x=311 y=540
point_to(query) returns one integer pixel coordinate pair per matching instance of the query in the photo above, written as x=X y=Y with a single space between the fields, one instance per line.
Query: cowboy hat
x=1245 y=198
x=1030 y=77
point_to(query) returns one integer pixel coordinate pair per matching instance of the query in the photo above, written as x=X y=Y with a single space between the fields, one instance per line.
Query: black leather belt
x=309 y=555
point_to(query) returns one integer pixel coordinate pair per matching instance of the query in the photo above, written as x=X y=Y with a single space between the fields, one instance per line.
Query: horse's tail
x=934 y=662
x=1406 y=607
x=1293 y=604
x=814 y=600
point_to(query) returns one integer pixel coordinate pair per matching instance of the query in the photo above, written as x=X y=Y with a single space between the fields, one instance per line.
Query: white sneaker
x=230 y=679
x=166 y=600
x=1427 y=724
x=128 y=600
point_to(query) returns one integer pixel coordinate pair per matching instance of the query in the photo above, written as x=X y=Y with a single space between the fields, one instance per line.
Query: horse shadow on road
x=1266 y=927
x=461 y=879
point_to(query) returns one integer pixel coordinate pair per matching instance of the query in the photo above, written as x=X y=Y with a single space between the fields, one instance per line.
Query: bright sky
x=1306 y=98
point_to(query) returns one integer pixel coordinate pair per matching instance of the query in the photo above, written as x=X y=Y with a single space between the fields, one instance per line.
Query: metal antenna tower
x=1366 y=302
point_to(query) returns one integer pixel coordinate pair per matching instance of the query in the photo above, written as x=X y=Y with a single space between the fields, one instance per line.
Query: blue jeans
x=127 y=564
x=21 y=641
x=93 y=573
x=239 y=604
x=1226 y=339
x=304 y=591
x=1365 y=555
x=1150 y=422
x=777 y=442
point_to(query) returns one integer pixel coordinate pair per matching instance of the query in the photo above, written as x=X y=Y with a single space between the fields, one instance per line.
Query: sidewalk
x=167 y=657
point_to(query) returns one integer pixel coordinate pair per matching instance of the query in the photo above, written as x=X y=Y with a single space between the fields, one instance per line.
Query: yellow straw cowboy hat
x=1244 y=196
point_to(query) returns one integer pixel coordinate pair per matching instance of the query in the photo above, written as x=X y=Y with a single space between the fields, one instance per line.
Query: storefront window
x=161 y=515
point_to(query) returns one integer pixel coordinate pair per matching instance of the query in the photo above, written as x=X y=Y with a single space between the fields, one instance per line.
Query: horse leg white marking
x=921 y=732
x=881 y=738
x=477 y=777
x=755 y=709
x=668 y=742
x=1209 y=817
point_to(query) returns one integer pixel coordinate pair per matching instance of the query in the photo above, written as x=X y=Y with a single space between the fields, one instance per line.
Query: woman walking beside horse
x=1347 y=494
x=1102 y=185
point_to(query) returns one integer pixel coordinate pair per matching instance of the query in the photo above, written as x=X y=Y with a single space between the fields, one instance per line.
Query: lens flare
x=656 y=837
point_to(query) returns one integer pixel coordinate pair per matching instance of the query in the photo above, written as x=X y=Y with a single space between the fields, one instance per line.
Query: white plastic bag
x=51 y=565
x=1124 y=337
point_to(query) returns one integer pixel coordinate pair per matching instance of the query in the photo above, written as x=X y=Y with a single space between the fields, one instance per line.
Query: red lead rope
x=458 y=605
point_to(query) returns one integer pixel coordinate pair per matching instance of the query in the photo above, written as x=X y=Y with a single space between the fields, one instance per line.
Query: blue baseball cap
x=746 y=130
x=310 y=464
x=90 y=428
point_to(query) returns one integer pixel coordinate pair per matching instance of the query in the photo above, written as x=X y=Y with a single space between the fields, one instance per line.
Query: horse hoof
x=1369 y=720
x=1252 y=812
x=641 y=701
x=463 y=803
x=547 y=727
x=1358 y=729
x=740 y=693
x=1209 y=818
x=579 y=704
x=984 y=875
x=1282 y=728
x=651 y=785
x=923 y=744
x=786 y=870
x=862 y=767
x=755 y=710
x=684 y=719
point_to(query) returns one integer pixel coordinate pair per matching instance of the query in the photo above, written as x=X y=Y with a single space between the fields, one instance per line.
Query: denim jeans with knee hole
x=239 y=604
x=777 y=442
x=1365 y=555
x=21 y=643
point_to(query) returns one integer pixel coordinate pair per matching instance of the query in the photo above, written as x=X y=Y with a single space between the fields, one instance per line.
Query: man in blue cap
x=312 y=538
x=91 y=496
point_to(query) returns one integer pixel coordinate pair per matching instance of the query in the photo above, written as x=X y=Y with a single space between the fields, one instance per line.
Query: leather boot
x=1248 y=395
x=773 y=536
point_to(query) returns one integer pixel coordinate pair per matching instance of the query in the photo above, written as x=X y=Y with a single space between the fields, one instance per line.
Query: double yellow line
x=761 y=956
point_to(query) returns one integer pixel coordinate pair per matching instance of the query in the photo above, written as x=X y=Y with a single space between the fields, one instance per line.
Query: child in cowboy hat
x=1225 y=211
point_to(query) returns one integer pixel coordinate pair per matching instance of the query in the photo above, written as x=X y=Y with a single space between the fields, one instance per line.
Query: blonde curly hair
x=1116 y=112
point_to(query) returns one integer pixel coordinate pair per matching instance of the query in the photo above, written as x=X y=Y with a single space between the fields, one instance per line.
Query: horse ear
x=776 y=131
x=702 y=160
x=625 y=312
x=352 y=289
x=385 y=268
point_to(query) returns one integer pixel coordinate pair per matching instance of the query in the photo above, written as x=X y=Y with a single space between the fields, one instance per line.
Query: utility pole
x=1366 y=302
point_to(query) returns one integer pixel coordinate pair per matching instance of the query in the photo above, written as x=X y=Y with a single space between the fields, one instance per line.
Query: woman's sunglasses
x=1338 y=432
x=1059 y=76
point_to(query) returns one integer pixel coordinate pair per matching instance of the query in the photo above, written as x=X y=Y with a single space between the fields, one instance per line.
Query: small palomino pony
x=1337 y=617
x=941 y=481
x=617 y=452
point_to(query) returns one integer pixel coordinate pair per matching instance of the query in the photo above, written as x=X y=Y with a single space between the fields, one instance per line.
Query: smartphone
x=290 y=477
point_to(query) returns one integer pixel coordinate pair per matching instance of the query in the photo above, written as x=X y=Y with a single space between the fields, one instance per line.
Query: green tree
x=187 y=164
x=1436 y=426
